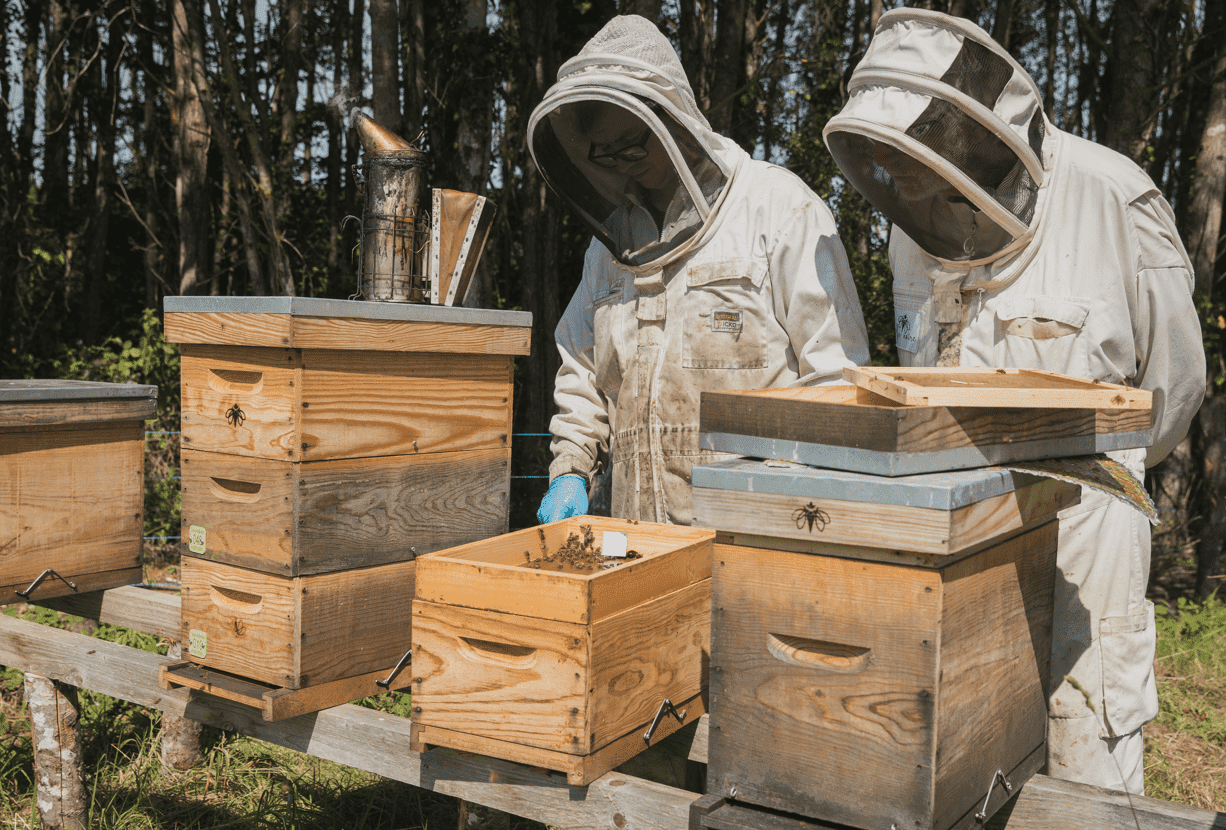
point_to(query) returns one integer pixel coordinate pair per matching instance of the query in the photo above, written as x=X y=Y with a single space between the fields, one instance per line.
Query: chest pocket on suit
x=726 y=310
x=1042 y=332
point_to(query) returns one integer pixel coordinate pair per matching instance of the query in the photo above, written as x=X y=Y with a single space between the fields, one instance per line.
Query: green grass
x=245 y=783
x=1186 y=745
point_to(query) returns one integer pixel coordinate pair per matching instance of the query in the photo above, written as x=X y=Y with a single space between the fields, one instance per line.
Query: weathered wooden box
x=879 y=645
x=320 y=435
x=555 y=669
x=72 y=483
x=297 y=632
x=850 y=428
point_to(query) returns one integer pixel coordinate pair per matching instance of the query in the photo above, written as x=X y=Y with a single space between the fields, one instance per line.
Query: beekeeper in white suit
x=708 y=270
x=1017 y=245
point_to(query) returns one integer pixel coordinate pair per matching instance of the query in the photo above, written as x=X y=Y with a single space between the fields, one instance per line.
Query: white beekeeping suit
x=709 y=271
x=1017 y=245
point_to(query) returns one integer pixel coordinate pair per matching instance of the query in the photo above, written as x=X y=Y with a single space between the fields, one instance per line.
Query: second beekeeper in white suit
x=708 y=270
x=1017 y=245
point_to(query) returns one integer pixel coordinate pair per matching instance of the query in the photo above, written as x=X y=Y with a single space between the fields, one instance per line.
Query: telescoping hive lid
x=934 y=515
x=850 y=428
x=42 y=402
x=315 y=323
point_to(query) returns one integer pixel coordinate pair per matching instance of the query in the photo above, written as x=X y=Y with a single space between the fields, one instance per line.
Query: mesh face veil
x=620 y=138
x=943 y=133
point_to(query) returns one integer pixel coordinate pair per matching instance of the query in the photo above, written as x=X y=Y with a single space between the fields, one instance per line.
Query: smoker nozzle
x=373 y=135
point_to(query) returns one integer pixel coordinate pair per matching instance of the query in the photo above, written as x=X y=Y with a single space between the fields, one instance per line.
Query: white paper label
x=613 y=544
x=906 y=330
x=198 y=643
x=195 y=539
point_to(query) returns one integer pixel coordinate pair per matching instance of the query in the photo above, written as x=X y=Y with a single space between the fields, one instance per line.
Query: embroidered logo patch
x=906 y=330
x=730 y=321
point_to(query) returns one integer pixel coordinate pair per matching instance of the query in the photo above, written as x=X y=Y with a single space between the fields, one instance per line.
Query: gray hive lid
x=938 y=491
x=41 y=402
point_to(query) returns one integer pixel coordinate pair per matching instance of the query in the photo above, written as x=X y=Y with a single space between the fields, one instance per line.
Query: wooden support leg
x=479 y=817
x=57 y=753
x=180 y=736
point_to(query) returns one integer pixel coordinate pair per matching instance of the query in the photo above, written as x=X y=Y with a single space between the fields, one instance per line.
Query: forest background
x=154 y=148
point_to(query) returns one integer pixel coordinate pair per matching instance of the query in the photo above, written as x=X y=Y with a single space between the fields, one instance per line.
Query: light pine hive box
x=327 y=443
x=559 y=670
x=72 y=484
x=879 y=645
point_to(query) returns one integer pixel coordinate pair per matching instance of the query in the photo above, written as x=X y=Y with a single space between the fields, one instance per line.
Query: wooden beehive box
x=321 y=435
x=863 y=631
x=72 y=483
x=852 y=428
x=561 y=670
x=298 y=632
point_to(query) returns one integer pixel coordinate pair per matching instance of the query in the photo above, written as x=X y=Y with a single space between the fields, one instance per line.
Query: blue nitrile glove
x=566 y=497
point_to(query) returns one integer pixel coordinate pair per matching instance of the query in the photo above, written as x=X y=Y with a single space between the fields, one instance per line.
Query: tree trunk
x=1132 y=89
x=55 y=113
x=384 y=65
x=191 y=143
x=1204 y=217
x=180 y=736
x=697 y=24
x=54 y=712
x=287 y=88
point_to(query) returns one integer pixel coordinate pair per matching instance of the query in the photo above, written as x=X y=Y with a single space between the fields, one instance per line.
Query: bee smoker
x=395 y=227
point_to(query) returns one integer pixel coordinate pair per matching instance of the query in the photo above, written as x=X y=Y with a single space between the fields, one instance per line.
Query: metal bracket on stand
x=42 y=576
x=982 y=815
x=404 y=661
x=666 y=708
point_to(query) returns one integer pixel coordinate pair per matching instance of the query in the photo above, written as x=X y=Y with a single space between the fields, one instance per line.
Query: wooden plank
x=489 y=574
x=301 y=518
x=656 y=650
x=389 y=403
x=15 y=416
x=239 y=510
x=131 y=606
x=243 y=621
x=994 y=654
x=785 y=632
x=378 y=743
x=354 y=514
x=275 y=704
x=994 y=387
x=353 y=622
x=71 y=500
x=396 y=336
x=580 y=770
x=228 y=328
x=830 y=415
x=515 y=679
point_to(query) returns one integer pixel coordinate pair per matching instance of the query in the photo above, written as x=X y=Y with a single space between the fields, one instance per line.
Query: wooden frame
x=994 y=387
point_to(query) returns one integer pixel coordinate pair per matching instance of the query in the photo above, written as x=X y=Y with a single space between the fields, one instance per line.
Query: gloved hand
x=566 y=497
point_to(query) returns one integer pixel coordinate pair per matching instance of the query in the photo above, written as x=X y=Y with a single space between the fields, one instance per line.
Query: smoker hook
x=49 y=572
x=404 y=661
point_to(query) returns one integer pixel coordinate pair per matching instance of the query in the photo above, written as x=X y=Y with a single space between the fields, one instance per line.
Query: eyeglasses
x=635 y=151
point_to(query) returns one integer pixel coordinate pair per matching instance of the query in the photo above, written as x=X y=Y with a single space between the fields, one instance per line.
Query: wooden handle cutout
x=235 y=380
x=498 y=654
x=243 y=492
x=816 y=654
x=231 y=601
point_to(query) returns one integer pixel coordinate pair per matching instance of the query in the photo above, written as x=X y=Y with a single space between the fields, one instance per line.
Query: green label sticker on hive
x=198 y=643
x=195 y=539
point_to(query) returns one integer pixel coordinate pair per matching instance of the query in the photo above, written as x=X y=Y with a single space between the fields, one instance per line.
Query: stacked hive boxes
x=326 y=444
x=887 y=622
x=72 y=485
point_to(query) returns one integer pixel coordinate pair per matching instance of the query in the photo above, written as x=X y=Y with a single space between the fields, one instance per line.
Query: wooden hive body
x=326 y=444
x=876 y=654
x=71 y=485
x=560 y=670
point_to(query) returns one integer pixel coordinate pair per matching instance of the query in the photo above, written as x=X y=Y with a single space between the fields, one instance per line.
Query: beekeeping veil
x=943 y=133
x=631 y=65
